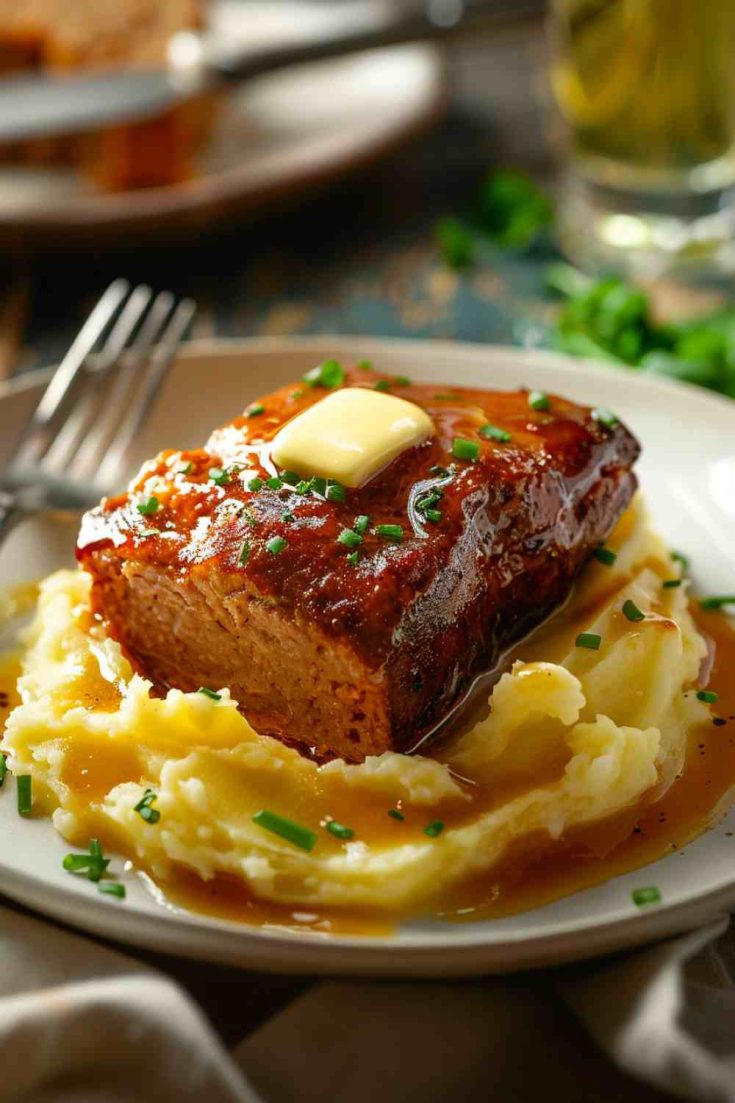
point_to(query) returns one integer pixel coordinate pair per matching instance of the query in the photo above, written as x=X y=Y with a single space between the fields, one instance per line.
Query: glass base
x=604 y=229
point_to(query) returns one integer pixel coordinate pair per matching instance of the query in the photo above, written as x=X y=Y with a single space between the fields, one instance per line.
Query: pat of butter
x=350 y=435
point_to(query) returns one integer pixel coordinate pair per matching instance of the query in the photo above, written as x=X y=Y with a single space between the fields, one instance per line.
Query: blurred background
x=558 y=174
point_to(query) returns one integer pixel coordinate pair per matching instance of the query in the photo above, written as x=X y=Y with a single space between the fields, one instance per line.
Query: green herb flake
x=365 y=365
x=186 y=469
x=353 y=558
x=382 y=385
x=112 y=888
x=434 y=828
x=276 y=545
x=335 y=492
x=644 y=897
x=396 y=815
x=144 y=806
x=93 y=864
x=390 y=532
x=147 y=532
x=605 y=417
x=330 y=374
x=439 y=471
x=292 y=832
x=401 y=381
x=149 y=506
x=3 y=769
x=679 y=557
x=671 y=583
x=632 y=612
x=492 y=432
x=606 y=556
x=708 y=696
x=220 y=476
x=433 y=515
x=256 y=409
x=254 y=485
x=716 y=602
x=339 y=830
x=24 y=793
x=317 y=485
x=362 y=523
x=211 y=693
x=465 y=449
x=349 y=538
x=290 y=477
x=244 y=553
x=589 y=640
x=512 y=210
x=538 y=400
x=274 y=483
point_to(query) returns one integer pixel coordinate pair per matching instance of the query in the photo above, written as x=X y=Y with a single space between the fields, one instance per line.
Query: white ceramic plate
x=276 y=138
x=688 y=476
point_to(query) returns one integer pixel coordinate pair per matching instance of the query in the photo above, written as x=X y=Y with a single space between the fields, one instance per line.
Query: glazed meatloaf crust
x=213 y=571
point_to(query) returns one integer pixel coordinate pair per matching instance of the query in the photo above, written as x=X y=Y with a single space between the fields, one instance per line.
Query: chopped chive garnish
x=290 y=477
x=276 y=545
x=186 y=469
x=24 y=794
x=287 y=516
x=349 y=538
x=605 y=417
x=147 y=532
x=211 y=693
x=395 y=814
x=329 y=374
x=440 y=472
x=434 y=515
x=434 y=828
x=296 y=394
x=255 y=484
x=671 y=583
x=220 y=476
x=302 y=487
x=590 y=640
x=339 y=830
x=112 y=888
x=256 y=409
x=390 y=532
x=274 y=483
x=643 y=897
x=144 y=806
x=492 y=432
x=465 y=449
x=3 y=769
x=93 y=864
x=149 y=506
x=446 y=396
x=708 y=696
x=244 y=553
x=335 y=492
x=382 y=385
x=365 y=365
x=353 y=558
x=401 y=381
x=679 y=557
x=632 y=612
x=605 y=555
x=718 y=602
x=539 y=400
x=317 y=485
x=286 y=829
x=361 y=523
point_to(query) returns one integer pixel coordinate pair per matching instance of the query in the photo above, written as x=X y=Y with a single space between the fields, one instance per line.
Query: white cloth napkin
x=80 y=1023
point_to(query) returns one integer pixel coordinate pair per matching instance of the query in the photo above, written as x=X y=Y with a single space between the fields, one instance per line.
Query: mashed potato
x=572 y=735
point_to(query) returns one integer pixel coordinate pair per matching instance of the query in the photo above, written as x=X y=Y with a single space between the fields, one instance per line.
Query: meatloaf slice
x=213 y=570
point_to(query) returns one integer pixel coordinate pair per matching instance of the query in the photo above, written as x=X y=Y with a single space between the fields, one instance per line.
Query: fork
x=77 y=440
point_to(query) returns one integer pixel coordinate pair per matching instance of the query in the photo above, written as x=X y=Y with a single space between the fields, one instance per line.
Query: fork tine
x=33 y=442
x=92 y=449
x=162 y=353
x=70 y=436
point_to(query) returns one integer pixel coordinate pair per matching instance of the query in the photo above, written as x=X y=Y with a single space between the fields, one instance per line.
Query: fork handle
x=10 y=513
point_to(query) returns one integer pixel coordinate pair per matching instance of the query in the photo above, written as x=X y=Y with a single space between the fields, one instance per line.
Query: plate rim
x=431 y=954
